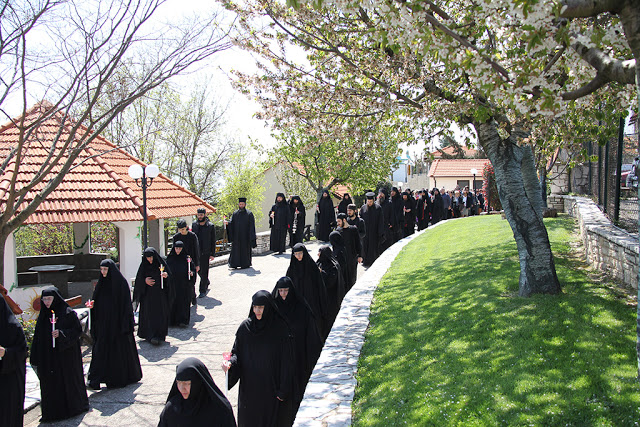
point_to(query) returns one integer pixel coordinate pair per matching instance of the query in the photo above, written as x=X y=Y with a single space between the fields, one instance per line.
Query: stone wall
x=607 y=247
x=262 y=239
x=555 y=201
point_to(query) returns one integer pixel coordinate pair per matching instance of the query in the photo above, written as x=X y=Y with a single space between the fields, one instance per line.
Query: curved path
x=214 y=323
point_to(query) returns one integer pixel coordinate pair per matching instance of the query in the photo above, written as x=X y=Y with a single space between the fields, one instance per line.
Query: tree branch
x=587 y=8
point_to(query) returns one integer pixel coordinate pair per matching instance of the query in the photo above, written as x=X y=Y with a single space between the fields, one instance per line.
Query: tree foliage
x=242 y=178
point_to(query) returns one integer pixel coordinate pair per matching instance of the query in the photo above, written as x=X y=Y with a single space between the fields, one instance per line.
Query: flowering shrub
x=29 y=327
x=489 y=188
x=104 y=239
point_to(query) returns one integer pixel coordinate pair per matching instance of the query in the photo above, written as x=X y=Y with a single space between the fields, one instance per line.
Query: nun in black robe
x=326 y=216
x=424 y=210
x=388 y=220
x=182 y=272
x=13 y=355
x=353 y=251
x=398 y=205
x=344 y=203
x=62 y=390
x=307 y=342
x=298 y=220
x=437 y=208
x=339 y=253
x=306 y=276
x=154 y=296
x=334 y=282
x=409 y=222
x=114 y=358
x=204 y=406
x=279 y=222
x=262 y=359
x=371 y=214
x=241 y=231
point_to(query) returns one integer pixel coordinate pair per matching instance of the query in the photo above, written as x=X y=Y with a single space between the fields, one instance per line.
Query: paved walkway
x=215 y=321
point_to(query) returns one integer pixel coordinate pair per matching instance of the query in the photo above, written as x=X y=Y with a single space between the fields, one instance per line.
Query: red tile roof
x=98 y=186
x=468 y=152
x=456 y=167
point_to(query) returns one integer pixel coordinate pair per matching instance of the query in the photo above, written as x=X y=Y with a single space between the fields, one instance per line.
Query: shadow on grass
x=450 y=342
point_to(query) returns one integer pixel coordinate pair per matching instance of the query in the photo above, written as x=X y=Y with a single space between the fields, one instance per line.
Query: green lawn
x=451 y=343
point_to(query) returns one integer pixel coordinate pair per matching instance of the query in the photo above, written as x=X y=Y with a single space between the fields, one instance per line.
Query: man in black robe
x=266 y=382
x=114 y=357
x=307 y=342
x=353 y=249
x=424 y=209
x=241 y=230
x=298 y=219
x=191 y=250
x=371 y=214
x=409 y=212
x=398 y=205
x=206 y=233
x=437 y=207
x=13 y=354
x=195 y=400
x=356 y=221
x=326 y=216
x=388 y=220
x=279 y=223
x=339 y=252
x=307 y=279
x=181 y=273
x=154 y=292
x=62 y=390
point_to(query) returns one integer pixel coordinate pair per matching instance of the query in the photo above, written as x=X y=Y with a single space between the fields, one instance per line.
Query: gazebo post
x=81 y=238
x=10 y=263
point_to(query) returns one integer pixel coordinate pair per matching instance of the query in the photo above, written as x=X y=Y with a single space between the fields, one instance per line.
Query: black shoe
x=194 y=301
x=154 y=341
x=93 y=386
x=202 y=295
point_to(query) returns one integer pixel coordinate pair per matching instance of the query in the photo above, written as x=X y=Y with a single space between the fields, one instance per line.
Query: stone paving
x=214 y=323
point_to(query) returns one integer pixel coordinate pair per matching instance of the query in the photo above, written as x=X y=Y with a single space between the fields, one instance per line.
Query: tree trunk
x=522 y=204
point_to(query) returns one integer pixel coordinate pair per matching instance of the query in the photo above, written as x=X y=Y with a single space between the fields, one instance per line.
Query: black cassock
x=262 y=359
x=340 y=254
x=333 y=281
x=241 y=231
x=298 y=221
x=409 y=222
x=12 y=368
x=388 y=224
x=372 y=217
x=307 y=342
x=437 y=209
x=62 y=388
x=206 y=405
x=192 y=249
x=279 y=224
x=181 y=282
x=424 y=211
x=326 y=216
x=353 y=250
x=344 y=203
x=114 y=358
x=155 y=301
x=398 y=205
x=306 y=277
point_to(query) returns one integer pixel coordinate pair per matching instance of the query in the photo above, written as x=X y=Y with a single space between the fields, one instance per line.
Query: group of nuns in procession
x=275 y=348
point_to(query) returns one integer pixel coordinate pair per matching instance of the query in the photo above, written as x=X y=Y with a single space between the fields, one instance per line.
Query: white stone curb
x=331 y=388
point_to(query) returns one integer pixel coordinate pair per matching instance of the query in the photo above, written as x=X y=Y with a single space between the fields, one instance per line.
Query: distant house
x=449 y=173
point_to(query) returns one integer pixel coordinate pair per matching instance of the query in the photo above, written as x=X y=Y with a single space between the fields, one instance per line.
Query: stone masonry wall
x=607 y=247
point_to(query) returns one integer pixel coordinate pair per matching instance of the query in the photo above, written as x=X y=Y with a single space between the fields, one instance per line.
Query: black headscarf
x=152 y=269
x=299 y=206
x=293 y=297
x=42 y=342
x=116 y=289
x=261 y=298
x=206 y=404
x=337 y=243
x=11 y=333
x=284 y=200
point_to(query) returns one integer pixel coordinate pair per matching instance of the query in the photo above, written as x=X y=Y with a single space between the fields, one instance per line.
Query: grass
x=451 y=343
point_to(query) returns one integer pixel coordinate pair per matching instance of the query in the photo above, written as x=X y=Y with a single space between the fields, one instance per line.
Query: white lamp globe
x=152 y=170
x=474 y=171
x=135 y=171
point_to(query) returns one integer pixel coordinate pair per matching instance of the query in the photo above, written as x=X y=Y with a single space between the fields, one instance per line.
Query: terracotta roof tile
x=456 y=167
x=97 y=188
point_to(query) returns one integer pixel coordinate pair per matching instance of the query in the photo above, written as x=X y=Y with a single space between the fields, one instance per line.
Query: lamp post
x=137 y=172
x=474 y=172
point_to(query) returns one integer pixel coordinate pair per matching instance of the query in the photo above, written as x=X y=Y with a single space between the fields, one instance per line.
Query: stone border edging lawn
x=331 y=388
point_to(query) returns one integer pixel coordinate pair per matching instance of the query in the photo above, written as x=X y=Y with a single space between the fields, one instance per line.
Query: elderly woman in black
x=114 y=358
x=195 y=400
x=57 y=360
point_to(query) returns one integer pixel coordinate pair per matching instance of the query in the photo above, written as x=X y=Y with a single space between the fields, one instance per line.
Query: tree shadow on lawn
x=456 y=344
